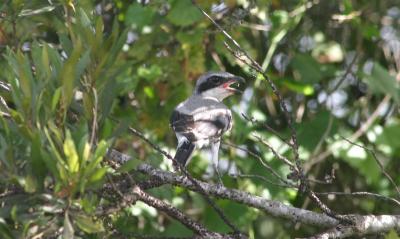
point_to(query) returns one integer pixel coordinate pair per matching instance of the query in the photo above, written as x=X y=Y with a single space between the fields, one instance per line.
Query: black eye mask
x=212 y=82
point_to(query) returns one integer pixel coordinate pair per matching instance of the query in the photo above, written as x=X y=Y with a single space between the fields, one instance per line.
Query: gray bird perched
x=202 y=119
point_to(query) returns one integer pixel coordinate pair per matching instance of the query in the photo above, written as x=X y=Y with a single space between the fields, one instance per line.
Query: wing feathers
x=184 y=152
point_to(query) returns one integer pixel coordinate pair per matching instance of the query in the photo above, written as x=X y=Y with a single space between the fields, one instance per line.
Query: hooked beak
x=234 y=84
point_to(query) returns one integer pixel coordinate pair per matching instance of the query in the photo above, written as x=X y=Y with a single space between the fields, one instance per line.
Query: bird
x=202 y=119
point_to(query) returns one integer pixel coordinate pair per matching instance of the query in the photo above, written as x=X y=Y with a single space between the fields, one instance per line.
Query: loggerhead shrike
x=202 y=119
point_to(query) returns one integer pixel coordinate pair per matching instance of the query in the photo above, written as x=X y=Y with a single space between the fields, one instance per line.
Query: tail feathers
x=183 y=152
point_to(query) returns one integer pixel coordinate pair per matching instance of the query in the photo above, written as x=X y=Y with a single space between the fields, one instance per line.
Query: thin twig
x=277 y=155
x=372 y=152
x=363 y=128
x=348 y=71
x=174 y=213
x=239 y=175
x=269 y=128
x=367 y=194
x=327 y=210
x=94 y=120
x=236 y=231
x=263 y=163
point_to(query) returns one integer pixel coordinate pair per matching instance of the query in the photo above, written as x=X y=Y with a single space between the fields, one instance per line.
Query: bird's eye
x=215 y=80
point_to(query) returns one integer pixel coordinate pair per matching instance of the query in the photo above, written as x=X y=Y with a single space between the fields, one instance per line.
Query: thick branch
x=274 y=208
x=364 y=225
x=175 y=213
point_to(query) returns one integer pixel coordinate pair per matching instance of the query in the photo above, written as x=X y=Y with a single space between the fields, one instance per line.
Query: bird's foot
x=219 y=183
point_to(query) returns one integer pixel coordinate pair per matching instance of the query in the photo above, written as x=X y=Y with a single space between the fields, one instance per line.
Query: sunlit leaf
x=97 y=175
x=305 y=89
x=87 y=224
x=71 y=154
x=30 y=12
x=149 y=73
x=392 y=234
x=380 y=81
x=56 y=98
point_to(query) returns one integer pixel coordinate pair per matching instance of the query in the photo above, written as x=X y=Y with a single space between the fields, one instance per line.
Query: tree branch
x=274 y=208
x=175 y=213
x=364 y=225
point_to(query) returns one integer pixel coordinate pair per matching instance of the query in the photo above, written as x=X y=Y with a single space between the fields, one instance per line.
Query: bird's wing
x=182 y=123
x=212 y=123
x=184 y=152
x=204 y=124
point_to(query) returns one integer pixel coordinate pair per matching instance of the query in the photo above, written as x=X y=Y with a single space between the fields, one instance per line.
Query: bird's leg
x=215 y=159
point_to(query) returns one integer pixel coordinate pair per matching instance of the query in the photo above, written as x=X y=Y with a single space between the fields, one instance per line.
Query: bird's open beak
x=234 y=84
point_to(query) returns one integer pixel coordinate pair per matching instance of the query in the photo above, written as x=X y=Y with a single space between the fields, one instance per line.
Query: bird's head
x=218 y=85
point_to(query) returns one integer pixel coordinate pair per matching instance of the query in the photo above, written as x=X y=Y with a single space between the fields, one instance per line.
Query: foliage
x=76 y=74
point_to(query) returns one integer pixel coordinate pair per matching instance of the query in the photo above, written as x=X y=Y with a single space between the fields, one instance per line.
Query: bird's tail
x=183 y=153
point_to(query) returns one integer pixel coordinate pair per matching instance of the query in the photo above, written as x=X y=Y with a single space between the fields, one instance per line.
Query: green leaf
x=319 y=124
x=30 y=183
x=84 y=18
x=380 y=81
x=194 y=37
x=282 y=24
x=69 y=74
x=71 y=154
x=151 y=73
x=51 y=165
x=183 y=13
x=5 y=230
x=85 y=151
x=45 y=60
x=139 y=16
x=360 y=159
x=68 y=231
x=25 y=75
x=55 y=59
x=38 y=166
x=388 y=140
x=87 y=224
x=392 y=235
x=55 y=99
x=52 y=145
x=129 y=165
x=101 y=150
x=66 y=43
x=305 y=89
x=97 y=175
x=149 y=92
x=307 y=67
x=31 y=12
x=40 y=68
x=82 y=64
x=97 y=157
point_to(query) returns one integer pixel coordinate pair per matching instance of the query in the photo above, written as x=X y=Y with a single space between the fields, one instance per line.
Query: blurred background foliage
x=70 y=68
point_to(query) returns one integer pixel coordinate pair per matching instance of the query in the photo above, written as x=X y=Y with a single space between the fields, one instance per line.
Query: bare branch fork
x=362 y=224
